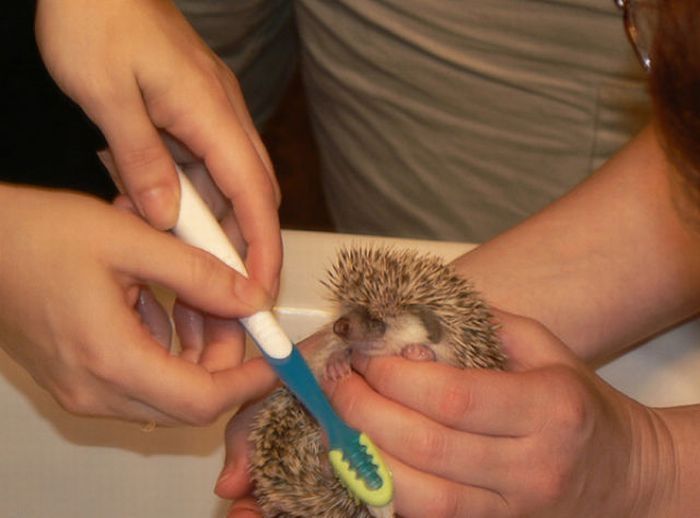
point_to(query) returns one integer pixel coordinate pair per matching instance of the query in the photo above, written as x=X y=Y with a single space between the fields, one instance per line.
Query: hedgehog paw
x=418 y=352
x=338 y=366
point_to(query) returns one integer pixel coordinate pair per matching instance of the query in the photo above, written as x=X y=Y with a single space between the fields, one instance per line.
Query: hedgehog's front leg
x=338 y=365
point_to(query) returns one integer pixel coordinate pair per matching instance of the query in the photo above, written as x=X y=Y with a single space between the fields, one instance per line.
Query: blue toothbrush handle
x=297 y=376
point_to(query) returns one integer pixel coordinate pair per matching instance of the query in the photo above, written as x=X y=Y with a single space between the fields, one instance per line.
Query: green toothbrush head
x=363 y=472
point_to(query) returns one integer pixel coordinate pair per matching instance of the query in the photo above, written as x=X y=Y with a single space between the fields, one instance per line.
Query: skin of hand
x=76 y=316
x=545 y=438
x=137 y=68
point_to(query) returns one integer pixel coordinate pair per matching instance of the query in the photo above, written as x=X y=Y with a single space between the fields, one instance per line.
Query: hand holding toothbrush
x=77 y=316
x=139 y=70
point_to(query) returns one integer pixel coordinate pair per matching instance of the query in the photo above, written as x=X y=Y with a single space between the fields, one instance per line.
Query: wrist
x=653 y=465
x=674 y=490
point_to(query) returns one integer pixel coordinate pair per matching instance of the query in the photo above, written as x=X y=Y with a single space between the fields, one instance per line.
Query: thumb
x=234 y=481
x=528 y=343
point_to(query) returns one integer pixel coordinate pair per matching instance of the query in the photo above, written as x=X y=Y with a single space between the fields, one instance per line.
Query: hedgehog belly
x=289 y=465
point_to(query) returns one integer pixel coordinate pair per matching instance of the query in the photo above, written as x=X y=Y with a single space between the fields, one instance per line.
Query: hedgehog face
x=362 y=331
x=392 y=299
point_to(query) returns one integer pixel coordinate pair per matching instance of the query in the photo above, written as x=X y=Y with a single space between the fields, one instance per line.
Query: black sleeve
x=45 y=138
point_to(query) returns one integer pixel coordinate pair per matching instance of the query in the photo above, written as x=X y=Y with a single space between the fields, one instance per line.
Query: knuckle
x=446 y=504
x=455 y=400
x=382 y=375
x=76 y=400
x=226 y=74
x=346 y=401
x=139 y=159
x=430 y=445
x=208 y=82
x=552 y=485
x=207 y=271
x=572 y=406
x=534 y=329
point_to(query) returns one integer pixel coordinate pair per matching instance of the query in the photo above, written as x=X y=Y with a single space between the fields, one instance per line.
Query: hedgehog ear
x=430 y=321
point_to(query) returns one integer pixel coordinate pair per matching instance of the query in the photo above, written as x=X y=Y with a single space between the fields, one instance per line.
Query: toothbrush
x=355 y=459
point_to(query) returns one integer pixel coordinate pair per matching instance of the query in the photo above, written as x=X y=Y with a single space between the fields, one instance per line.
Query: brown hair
x=675 y=89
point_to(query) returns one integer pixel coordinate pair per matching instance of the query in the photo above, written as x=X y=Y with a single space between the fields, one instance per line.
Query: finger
x=242 y=178
x=144 y=167
x=235 y=96
x=139 y=368
x=189 y=325
x=528 y=344
x=474 y=400
x=224 y=344
x=420 y=494
x=197 y=277
x=189 y=392
x=422 y=443
x=234 y=481
x=154 y=317
x=245 y=508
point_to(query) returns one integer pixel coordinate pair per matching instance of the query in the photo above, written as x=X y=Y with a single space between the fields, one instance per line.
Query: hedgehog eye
x=375 y=326
x=430 y=321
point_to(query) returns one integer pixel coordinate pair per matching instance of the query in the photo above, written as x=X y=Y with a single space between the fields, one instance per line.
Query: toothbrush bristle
x=362 y=463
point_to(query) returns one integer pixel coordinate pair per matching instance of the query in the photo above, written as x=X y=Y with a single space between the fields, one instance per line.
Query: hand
x=76 y=316
x=549 y=438
x=137 y=67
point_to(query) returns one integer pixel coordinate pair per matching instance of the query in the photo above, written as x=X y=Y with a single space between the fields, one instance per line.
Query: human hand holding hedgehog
x=546 y=437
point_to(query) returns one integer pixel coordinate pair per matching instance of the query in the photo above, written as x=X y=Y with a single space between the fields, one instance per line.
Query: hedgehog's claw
x=418 y=352
x=337 y=366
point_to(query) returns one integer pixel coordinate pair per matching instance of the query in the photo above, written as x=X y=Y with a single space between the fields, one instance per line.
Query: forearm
x=603 y=267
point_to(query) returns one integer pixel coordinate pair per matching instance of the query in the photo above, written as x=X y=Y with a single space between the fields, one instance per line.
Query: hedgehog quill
x=390 y=302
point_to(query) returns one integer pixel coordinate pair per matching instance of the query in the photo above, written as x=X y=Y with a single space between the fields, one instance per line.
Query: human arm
x=71 y=273
x=604 y=266
x=136 y=68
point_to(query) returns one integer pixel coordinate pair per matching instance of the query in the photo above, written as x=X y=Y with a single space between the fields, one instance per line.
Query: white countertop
x=55 y=464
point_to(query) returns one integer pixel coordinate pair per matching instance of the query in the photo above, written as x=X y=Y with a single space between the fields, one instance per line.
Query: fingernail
x=253 y=295
x=159 y=205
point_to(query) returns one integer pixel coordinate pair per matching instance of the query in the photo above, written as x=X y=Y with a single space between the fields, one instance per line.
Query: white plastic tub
x=55 y=464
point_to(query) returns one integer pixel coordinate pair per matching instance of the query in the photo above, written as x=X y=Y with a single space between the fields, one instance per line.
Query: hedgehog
x=390 y=302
